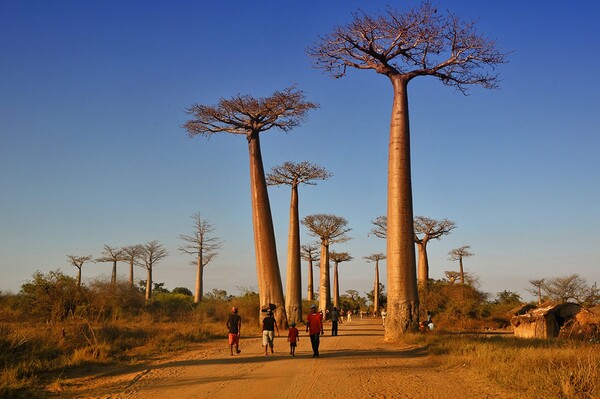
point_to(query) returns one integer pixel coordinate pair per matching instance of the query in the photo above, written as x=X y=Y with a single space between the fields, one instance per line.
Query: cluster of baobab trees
x=400 y=45
x=201 y=243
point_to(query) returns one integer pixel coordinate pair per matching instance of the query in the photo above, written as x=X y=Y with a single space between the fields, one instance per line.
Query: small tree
x=78 y=262
x=538 y=286
x=293 y=175
x=202 y=245
x=427 y=229
x=330 y=229
x=310 y=254
x=337 y=258
x=112 y=255
x=457 y=254
x=572 y=288
x=249 y=116
x=376 y=258
x=151 y=253
x=403 y=46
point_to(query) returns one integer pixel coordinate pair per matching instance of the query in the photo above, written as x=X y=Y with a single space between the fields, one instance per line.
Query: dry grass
x=535 y=368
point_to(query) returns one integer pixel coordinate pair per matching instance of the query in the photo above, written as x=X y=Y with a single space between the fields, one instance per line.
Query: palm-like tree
x=428 y=229
x=376 y=258
x=310 y=255
x=112 y=255
x=293 y=175
x=250 y=116
x=421 y=41
x=457 y=254
x=78 y=262
x=329 y=229
x=203 y=246
x=337 y=258
x=130 y=255
x=151 y=253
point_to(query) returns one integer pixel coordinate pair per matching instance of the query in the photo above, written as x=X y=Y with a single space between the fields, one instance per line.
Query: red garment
x=314 y=323
x=293 y=335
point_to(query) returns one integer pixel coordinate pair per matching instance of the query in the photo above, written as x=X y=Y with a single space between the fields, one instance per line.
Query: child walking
x=293 y=338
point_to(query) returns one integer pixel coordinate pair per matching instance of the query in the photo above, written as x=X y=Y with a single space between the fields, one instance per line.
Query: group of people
x=314 y=327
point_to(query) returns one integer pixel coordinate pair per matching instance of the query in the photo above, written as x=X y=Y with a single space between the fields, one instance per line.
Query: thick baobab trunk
x=199 y=280
x=403 y=299
x=131 y=274
x=149 y=284
x=324 y=285
x=79 y=276
x=270 y=288
x=311 y=293
x=376 y=290
x=293 y=292
x=113 y=277
x=462 y=272
x=423 y=267
x=336 y=286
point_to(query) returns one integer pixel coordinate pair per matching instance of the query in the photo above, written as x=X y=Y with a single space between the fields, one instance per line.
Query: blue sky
x=92 y=99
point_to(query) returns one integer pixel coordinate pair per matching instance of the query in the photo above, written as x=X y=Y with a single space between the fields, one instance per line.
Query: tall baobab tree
x=78 y=262
x=376 y=258
x=112 y=255
x=402 y=46
x=293 y=175
x=249 y=116
x=538 y=286
x=337 y=258
x=457 y=254
x=310 y=254
x=151 y=253
x=329 y=229
x=130 y=255
x=429 y=229
x=202 y=245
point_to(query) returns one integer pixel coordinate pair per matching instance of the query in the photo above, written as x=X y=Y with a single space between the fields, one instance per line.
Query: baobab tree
x=78 y=262
x=310 y=254
x=429 y=229
x=457 y=254
x=402 y=46
x=376 y=258
x=249 y=116
x=538 y=286
x=203 y=246
x=293 y=175
x=329 y=229
x=112 y=255
x=337 y=258
x=151 y=253
x=130 y=255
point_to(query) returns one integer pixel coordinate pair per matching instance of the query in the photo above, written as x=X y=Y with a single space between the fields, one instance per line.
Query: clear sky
x=92 y=99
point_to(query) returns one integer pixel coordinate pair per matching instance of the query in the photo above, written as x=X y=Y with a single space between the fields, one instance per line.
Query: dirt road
x=355 y=364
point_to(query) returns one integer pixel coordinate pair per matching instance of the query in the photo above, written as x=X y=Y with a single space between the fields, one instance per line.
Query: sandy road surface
x=355 y=364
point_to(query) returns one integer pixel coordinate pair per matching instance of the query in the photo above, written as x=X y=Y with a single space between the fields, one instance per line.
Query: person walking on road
x=314 y=327
x=234 y=324
x=293 y=338
x=335 y=315
x=269 y=327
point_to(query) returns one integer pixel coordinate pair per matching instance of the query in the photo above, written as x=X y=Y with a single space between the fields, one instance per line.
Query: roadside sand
x=355 y=364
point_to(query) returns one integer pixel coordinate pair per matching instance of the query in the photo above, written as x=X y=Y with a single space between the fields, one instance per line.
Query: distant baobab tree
x=310 y=254
x=130 y=255
x=112 y=255
x=420 y=41
x=78 y=262
x=151 y=253
x=457 y=254
x=428 y=229
x=203 y=246
x=293 y=175
x=329 y=229
x=337 y=258
x=538 y=286
x=249 y=116
x=376 y=258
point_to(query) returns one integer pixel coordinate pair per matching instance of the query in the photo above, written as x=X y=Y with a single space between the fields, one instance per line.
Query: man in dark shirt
x=234 y=324
x=269 y=327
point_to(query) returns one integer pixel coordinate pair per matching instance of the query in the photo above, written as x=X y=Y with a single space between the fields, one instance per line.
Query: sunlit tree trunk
x=199 y=278
x=376 y=290
x=462 y=271
x=324 y=285
x=403 y=302
x=113 y=277
x=336 y=286
x=149 y=284
x=293 y=293
x=423 y=265
x=311 y=293
x=267 y=266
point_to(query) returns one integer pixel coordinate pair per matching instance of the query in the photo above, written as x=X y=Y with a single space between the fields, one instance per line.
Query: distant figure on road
x=293 y=337
x=314 y=327
x=383 y=315
x=234 y=324
x=335 y=315
x=349 y=315
x=269 y=326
